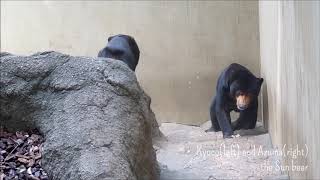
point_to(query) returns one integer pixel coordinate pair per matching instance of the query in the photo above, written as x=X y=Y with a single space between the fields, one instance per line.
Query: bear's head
x=245 y=90
x=122 y=47
x=128 y=39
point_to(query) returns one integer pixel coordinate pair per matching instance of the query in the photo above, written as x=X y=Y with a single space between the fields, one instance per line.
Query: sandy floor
x=190 y=153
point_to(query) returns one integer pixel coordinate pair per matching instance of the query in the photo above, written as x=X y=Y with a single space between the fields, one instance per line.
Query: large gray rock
x=95 y=117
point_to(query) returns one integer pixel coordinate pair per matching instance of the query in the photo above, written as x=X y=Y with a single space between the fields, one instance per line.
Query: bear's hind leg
x=215 y=124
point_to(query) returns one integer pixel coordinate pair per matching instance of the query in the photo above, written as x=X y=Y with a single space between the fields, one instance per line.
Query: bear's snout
x=243 y=102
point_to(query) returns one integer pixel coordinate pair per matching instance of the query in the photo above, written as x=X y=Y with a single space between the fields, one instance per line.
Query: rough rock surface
x=95 y=117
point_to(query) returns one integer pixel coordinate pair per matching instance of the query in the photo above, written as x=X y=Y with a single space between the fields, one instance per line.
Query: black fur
x=234 y=78
x=122 y=47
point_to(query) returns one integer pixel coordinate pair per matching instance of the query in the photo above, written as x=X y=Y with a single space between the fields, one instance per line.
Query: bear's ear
x=260 y=80
x=109 y=38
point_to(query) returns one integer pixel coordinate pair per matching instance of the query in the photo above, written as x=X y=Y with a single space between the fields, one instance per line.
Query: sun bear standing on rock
x=123 y=48
x=237 y=90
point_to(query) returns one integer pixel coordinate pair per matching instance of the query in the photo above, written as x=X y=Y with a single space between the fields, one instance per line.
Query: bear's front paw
x=227 y=135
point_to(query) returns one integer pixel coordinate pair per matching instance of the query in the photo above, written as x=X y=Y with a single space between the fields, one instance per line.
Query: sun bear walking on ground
x=237 y=90
x=123 y=48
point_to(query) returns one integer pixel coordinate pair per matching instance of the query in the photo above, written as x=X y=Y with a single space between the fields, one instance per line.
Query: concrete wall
x=184 y=45
x=290 y=64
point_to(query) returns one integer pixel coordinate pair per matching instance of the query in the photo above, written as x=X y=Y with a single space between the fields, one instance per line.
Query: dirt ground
x=190 y=153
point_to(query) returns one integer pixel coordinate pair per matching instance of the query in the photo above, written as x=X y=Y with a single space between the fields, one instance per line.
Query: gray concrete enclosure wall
x=184 y=44
x=290 y=64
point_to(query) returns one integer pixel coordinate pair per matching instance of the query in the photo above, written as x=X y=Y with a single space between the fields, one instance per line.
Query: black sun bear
x=237 y=90
x=122 y=47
